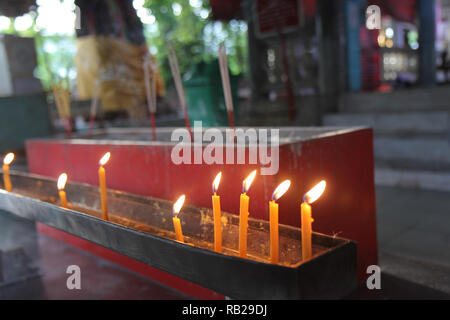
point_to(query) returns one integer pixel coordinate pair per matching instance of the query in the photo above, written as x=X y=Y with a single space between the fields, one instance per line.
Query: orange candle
x=176 y=221
x=6 y=179
x=243 y=214
x=217 y=214
x=102 y=180
x=273 y=211
x=62 y=194
x=307 y=220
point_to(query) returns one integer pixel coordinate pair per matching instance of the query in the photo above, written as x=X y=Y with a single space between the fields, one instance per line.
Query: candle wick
x=305 y=199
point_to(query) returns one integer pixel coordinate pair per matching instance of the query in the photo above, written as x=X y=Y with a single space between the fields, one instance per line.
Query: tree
x=195 y=37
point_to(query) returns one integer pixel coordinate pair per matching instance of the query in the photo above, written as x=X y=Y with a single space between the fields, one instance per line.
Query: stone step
x=412 y=179
x=414 y=140
x=432 y=122
x=420 y=99
x=418 y=153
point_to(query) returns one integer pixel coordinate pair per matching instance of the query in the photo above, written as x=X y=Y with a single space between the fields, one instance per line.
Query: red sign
x=276 y=16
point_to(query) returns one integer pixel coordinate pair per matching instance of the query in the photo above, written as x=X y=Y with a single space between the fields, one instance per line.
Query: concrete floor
x=414 y=235
x=33 y=266
x=100 y=279
x=414 y=223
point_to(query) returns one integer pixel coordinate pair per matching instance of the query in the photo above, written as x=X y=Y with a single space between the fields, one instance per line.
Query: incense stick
x=57 y=97
x=226 y=84
x=174 y=67
x=63 y=106
x=150 y=89
x=66 y=104
x=93 y=110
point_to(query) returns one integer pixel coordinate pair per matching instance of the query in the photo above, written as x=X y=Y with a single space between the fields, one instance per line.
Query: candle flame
x=215 y=185
x=248 y=181
x=8 y=158
x=62 y=181
x=105 y=158
x=315 y=193
x=281 y=190
x=178 y=205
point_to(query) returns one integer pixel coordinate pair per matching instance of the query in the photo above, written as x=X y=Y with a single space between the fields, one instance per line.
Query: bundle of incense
x=150 y=89
x=62 y=101
x=226 y=84
x=174 y=67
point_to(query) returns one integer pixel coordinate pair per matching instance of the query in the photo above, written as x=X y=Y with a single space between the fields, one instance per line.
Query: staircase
x=411 y=134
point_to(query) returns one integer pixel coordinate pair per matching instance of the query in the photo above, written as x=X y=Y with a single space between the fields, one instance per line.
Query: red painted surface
x=345 y=161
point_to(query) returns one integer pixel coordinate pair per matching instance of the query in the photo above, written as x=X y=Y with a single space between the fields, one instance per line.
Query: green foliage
x=57 y=63
x=195 y=37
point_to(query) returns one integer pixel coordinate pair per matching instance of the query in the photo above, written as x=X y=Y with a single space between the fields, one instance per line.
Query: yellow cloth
x=118 y=67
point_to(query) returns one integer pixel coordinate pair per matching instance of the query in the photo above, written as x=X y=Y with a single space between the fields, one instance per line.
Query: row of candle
x=306 y=218
x=9 y=158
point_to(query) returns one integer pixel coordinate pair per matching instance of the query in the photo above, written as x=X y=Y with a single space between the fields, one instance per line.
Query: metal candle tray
x=341 y=156
x=141 y=228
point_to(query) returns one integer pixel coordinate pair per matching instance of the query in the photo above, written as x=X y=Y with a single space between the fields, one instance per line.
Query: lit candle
x=176 y=221
x=273 y=210
x=6 y=179
x=102 y=179
x=217 y=214
x=309 y=197
x=62 y=194
x=243 y=214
